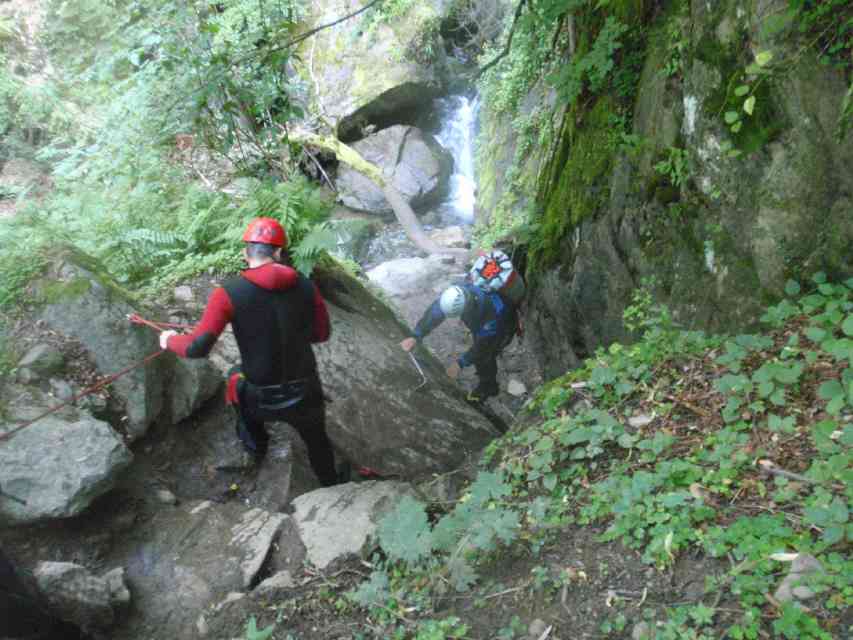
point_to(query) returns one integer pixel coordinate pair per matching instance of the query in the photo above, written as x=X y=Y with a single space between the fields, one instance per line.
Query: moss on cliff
x=577 y=180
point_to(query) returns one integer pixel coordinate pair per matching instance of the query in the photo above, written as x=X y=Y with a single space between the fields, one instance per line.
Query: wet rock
x=362 y=75
x=42 y=361
x=792 y=586
x=281 y=580
x=336 y=522
x=119 y=593
x=194 y=383
x=405 y=277
x=62 y=390
x=516 y=388
x=82 y=301
x=76 y=596
x=380 y=413
x=59 y=465
x=164 y=496
x=184 y=293
x=417 y=166
x=453 y=237
x=194 y=556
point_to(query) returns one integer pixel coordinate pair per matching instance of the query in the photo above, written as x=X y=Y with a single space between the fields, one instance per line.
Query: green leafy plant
x=253 y=633
x=675 y=166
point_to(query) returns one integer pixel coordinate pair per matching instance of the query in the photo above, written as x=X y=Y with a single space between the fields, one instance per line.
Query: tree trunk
x=398 y=203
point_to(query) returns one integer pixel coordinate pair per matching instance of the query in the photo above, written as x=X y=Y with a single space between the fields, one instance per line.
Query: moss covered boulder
x=721 y=217
x=417 y=166
x=78 y=299
x=376 y=68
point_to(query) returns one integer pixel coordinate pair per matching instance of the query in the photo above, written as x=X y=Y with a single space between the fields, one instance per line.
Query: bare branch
x=491 y=63
x=304 y=36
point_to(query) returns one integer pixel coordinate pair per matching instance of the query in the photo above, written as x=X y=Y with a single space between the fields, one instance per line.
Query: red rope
x=100 y=385
x=135 y=318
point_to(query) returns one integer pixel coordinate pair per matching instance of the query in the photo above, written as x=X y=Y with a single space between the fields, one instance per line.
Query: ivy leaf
x=737 y=126
x=742 y=90
x=815 y=334
x=792 y=287
x=764 y=58
x=731 y=117
x=749 y=105
x=830 y=389
x=847 y=326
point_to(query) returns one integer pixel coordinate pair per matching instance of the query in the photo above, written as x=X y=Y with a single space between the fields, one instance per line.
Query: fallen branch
x=405 y=214
x=770 y=468
x=304 y=36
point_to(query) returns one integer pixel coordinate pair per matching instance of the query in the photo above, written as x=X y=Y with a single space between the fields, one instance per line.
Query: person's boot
x=481 y=392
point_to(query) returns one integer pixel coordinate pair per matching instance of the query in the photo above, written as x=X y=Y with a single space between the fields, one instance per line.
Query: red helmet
x=266 y=231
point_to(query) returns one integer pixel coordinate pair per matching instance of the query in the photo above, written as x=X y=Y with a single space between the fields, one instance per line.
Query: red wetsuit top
x=276 y=314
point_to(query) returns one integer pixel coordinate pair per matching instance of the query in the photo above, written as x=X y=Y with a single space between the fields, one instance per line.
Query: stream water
x=458 y=116
x=457 y=136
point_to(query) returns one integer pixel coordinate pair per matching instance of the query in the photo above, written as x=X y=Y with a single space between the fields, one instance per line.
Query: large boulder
x=192 y=557
x=406 y=277
x=337 y=522
x=372 y=69
x=381 y=412
x=194 y=383
x=80 y=300
x=417 y=166
x=58 y=465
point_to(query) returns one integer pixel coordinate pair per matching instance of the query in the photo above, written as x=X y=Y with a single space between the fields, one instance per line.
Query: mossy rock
x=373 y=70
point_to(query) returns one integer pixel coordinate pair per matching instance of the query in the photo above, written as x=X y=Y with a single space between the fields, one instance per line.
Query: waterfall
x=457 y=136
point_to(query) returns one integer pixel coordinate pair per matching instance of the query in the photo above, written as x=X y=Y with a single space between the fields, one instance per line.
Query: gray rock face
x=781 y=209
x=77 y=596
x=376 y=73
x=194 y=383
x=336 y=522
x=59 y=465
x=82 y=302
x=404 y=277
x=197 y=554
x=43 y=360
x=413 y=161
x=379 y=414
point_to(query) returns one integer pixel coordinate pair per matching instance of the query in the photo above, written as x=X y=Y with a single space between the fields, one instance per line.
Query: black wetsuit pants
x=307 y=416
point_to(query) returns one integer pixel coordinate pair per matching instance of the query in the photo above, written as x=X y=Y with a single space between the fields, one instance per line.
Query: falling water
x=457 y=136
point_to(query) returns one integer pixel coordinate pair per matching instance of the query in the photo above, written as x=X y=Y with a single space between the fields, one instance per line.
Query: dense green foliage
x=661 y=442
x=569 y=57
x=152 y=107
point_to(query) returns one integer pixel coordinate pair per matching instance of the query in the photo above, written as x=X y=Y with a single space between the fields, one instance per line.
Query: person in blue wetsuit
x=492 y=322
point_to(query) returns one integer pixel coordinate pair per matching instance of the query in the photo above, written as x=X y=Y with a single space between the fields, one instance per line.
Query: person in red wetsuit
x=276 y=314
